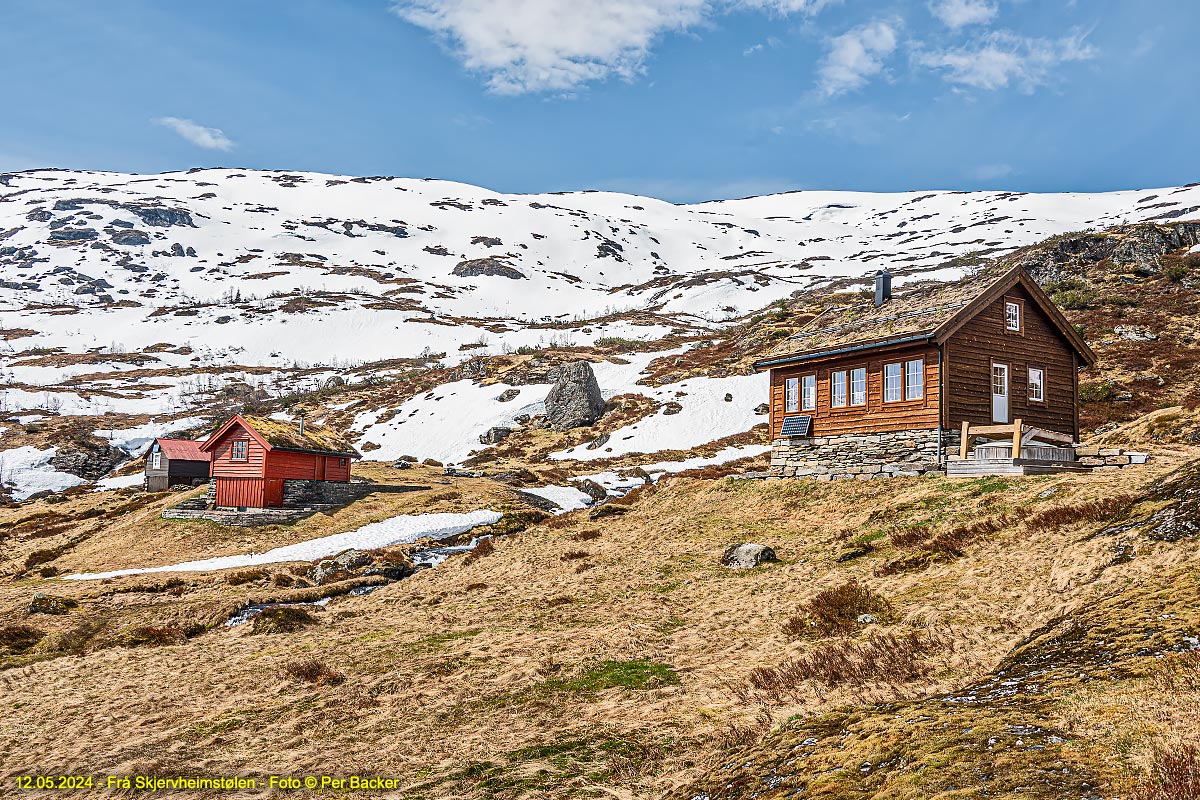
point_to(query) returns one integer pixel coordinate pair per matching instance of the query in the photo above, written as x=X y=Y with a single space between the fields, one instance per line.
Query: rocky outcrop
x=490 y=266
x=1136 y=249
x=130 y=237
x=747 y=555
x=495 y=435
x=575 y=400
x=90 y=459
x=507 y=394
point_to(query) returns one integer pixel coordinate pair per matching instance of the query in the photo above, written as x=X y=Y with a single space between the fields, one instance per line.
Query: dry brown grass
x=835 y=611
x=313 y=671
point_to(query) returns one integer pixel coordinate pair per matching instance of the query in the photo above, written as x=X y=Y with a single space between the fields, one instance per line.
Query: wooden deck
x=1039 y=452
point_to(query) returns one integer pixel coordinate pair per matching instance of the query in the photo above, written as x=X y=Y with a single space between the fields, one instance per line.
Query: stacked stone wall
x=861 y=456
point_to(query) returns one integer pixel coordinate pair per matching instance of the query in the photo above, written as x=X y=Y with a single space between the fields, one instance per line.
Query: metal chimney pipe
x=301 y=424
x=883 y=287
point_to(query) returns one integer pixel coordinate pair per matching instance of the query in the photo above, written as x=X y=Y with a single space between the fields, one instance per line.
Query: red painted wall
x=306 y=466
x=224 y=466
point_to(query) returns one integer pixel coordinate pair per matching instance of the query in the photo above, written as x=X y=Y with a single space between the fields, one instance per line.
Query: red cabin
x=259 y=462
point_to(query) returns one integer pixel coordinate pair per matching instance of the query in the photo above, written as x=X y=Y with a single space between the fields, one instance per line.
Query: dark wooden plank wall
x=876 y=416
x=972 y=349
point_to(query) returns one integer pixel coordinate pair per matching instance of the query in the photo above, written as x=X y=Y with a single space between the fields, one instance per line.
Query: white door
x=1000 y=393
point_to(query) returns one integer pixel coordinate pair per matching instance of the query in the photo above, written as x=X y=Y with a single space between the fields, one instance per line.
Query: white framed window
x=156 y=460
x=858 y=387
x=808 y=393
x=791 y=394
x=914 y=379
x=1037 y=384
x=1012 y=316
x=837 y=389
x=892 y=383
x=240 y=450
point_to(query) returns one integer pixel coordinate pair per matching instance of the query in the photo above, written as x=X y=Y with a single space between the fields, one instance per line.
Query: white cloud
x=960 y=13
x=1001 y=59
x=557 y=45
x=208 y=138
x=855 y=57
x=990 y=172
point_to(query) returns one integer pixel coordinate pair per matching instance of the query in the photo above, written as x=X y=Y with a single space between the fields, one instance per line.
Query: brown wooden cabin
x=986 y=350
x=253 y=456
x=175 y=462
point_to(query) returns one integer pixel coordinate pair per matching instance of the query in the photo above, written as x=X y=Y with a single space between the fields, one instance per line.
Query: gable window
x=1037 y=385
x=1012 y=316
x=858 y=387
x=791 y=394
x=808 y=393
x=837 y=389
x=914 y=379
x=891 y=383
x=240 y=450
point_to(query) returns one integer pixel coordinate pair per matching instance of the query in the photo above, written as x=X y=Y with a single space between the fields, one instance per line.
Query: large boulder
x=495 y=435
x=490 y=266
x=574 y=400
x=87 y=458
x=747 y=555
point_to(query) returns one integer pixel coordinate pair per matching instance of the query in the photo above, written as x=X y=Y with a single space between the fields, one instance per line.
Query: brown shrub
x=1174 y=775
x=484 y=547
x=574 y=555
x=555 y=602
x=584 y=567
x=1179 y=672
x=835 y=611
x=583 y=536
x=474 y=587
x=282 y=619
x=1062 y=515
x=736 y=735
x=883 y=658
x=75 y=639
x=19 y=638
x=246 y=576
x=313 y=671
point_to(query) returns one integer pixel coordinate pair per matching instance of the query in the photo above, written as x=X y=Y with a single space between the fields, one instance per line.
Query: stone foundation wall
x=1107 y=458
x=297 y=493
x=861 y=456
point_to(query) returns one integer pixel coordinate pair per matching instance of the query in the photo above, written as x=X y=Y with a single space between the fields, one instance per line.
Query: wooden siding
x=876 y=416
x=249 y=492
x=971 y=350
x=223 y=464
x=306 y=466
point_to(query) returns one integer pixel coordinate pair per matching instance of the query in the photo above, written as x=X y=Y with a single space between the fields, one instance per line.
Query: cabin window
x=156 y=460
x=892 y=386
x=791 y=394
x=1012 y=316
x=808 y=393
x=837 y=390
x=914 y=380
x=1037 y=385
x=241 y=450
x=343 y=462
x=858 y=387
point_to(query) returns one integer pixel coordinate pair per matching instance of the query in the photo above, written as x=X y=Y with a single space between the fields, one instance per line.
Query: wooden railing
x=1021 y=435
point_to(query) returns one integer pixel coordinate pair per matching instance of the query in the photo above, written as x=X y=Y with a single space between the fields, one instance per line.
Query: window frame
x=804 y=380
x=920 y=385
x=845 y=389
x=1041 y=398
x=1019 y=304
x=156 y=459
x=884 y=381
x=850 y=387
x=244 y=447
x=791 y=399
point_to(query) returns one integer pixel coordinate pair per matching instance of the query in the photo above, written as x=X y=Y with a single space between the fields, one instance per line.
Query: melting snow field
x=395 y=530
x=28 y=471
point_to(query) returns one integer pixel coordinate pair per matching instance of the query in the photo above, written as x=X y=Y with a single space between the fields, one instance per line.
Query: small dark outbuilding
x=175 y=462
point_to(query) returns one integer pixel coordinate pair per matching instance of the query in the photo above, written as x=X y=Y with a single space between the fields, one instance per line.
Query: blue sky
x=679 y=99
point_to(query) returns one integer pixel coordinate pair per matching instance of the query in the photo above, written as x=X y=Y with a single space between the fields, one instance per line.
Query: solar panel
x=796 y=426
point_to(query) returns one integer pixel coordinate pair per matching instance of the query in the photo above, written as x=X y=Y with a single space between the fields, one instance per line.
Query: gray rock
x=491 y=266
x=762 y=408
x=599 y=441
x=1135 y=333
x=521 y=419
x=402 y=464
x=747 y=555
x=539 y=502
x=592 y=489
x=130 y=237
x=90 y=459
x=575 y=400
x=866 y=619
x=73 y=235
x=508 y=394
x=177 y=250
x=495 y=435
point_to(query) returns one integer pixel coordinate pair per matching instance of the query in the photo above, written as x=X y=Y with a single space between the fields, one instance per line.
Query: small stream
x=422 y=559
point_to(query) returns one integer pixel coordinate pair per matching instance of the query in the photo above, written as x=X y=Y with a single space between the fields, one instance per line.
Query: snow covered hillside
x=146 y=299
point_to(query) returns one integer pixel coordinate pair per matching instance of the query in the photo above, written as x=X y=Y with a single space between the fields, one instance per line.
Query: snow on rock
x=720 y=457
x=27 y=470
x=136 y=440
x=568 y=498
x=394 y=530
x=705 y=417
x=120 y=482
